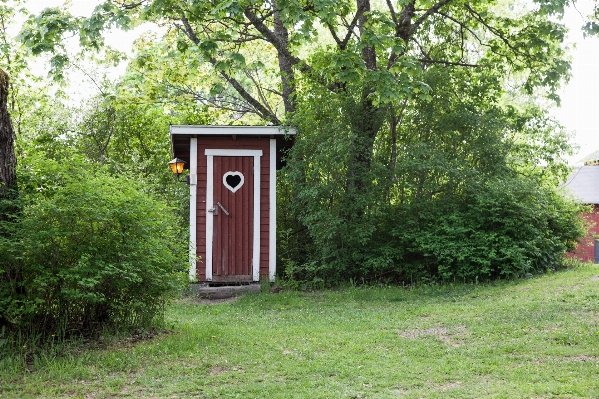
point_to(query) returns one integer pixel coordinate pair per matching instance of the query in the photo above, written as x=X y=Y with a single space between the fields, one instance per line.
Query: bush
x=501 y=228
x=93 y=251
x=509 y=227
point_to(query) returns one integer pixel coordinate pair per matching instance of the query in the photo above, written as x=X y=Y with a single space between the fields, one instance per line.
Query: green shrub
x=93 y=251
x=509 y=227
x=501 y=228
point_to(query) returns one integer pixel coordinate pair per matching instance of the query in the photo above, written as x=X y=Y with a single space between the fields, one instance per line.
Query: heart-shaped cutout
x=233 y=180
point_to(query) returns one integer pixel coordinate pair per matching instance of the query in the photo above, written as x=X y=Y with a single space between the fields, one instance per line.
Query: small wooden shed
x=232 y=186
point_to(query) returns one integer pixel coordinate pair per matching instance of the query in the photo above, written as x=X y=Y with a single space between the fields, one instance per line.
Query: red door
x=233 y=204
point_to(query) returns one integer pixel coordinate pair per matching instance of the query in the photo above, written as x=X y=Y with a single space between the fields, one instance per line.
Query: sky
x=579 y=111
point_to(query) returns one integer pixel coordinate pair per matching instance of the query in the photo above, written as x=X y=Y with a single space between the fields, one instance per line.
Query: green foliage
x=454 y=188
x=90 y=244
x=417 y=125
x=93 y=251
x=501 y=228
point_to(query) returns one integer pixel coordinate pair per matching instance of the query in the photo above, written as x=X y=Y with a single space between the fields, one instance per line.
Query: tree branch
x=259 y=108
x=272 y=38
x=342 y=44
x=334 y=34
x=494 y=30
x=368 y=52
x=189 y=31
x=448 y=63
x=427 y=14
x=392 y=11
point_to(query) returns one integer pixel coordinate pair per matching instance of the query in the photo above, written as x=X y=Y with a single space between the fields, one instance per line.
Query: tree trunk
x=8 y=160
x=285 y=62
x=365 y=125
x=10 y=273
x=366 y=121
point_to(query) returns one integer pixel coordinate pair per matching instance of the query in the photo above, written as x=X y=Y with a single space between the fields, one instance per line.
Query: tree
x=364 y=82
x=380 y=46
x=9 y=273
x=82 y=246
x=462 y=153
x=372 y=53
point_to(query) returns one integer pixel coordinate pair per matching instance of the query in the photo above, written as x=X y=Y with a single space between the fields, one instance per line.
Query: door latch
x=214 y=211
x=223 y=208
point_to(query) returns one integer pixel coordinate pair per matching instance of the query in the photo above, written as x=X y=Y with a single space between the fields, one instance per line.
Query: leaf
x=182 y=45
x=238 y=58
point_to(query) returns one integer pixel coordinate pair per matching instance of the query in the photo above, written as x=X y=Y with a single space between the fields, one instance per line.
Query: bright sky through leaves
x=578 y=112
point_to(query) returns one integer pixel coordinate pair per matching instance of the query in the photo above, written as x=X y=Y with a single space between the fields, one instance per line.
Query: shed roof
x=181 y=134
x=583 y=183
x=211 y=130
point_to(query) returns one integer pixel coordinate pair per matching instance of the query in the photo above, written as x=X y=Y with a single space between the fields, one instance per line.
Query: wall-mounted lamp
x=177 y=166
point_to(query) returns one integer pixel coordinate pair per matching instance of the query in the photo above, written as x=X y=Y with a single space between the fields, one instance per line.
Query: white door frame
x=210 y=154
x=193 y=189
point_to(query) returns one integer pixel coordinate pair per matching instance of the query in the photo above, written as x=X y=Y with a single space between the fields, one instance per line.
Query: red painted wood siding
x=241 y=143
x=585 y=251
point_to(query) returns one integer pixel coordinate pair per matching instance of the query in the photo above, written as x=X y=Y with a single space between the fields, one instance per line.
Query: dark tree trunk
x=286 y=62
x=365 y=123
x=8 y=160
x=10 y=278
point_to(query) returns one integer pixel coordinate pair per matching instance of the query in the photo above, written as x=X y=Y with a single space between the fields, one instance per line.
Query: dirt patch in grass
x=216 y=301
x=596 y=278
x=449 y=385
x=215 y=370
x=143 y=393
x=581 y=358
x=205 y=301
x=449 y=335
x=130 y=341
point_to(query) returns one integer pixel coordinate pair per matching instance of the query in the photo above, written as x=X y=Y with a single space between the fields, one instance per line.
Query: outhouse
x=232 y=186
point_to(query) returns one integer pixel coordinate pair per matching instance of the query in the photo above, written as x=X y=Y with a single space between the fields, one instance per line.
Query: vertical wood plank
x=233 y=242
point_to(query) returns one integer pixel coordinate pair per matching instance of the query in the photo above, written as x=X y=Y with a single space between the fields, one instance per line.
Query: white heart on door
x=233 y=180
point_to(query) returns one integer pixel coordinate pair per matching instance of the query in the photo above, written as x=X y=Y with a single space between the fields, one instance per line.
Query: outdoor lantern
x=177 y=166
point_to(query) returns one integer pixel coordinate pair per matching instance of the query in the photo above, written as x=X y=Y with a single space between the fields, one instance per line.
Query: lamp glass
x=177 y=165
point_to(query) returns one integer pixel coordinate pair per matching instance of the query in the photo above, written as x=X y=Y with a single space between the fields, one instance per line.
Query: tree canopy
x=424 y=147
x=258 y=52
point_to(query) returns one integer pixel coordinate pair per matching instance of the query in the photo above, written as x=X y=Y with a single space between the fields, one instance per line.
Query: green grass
x=536 y=338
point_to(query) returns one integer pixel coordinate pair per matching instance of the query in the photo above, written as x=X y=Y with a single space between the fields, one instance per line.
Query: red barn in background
x=583 y=183
x=232 y=216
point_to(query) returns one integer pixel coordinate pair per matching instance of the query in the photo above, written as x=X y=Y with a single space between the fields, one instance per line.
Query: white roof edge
x=230 y=130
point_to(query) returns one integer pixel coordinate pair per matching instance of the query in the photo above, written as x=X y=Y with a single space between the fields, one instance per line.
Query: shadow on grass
x=377 y=294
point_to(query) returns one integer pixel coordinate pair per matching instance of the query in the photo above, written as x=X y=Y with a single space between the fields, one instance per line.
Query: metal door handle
x=214 y=211
x=223 y=208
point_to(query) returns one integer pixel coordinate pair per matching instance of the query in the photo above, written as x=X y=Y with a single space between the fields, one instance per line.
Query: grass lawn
x=536 y=338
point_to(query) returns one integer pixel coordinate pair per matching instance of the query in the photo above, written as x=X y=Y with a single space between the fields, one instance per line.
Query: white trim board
x=233 y=153
x=210 y=154
x=209 y=220
x=193 y=190
x=272 y=216
x=231 y=130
